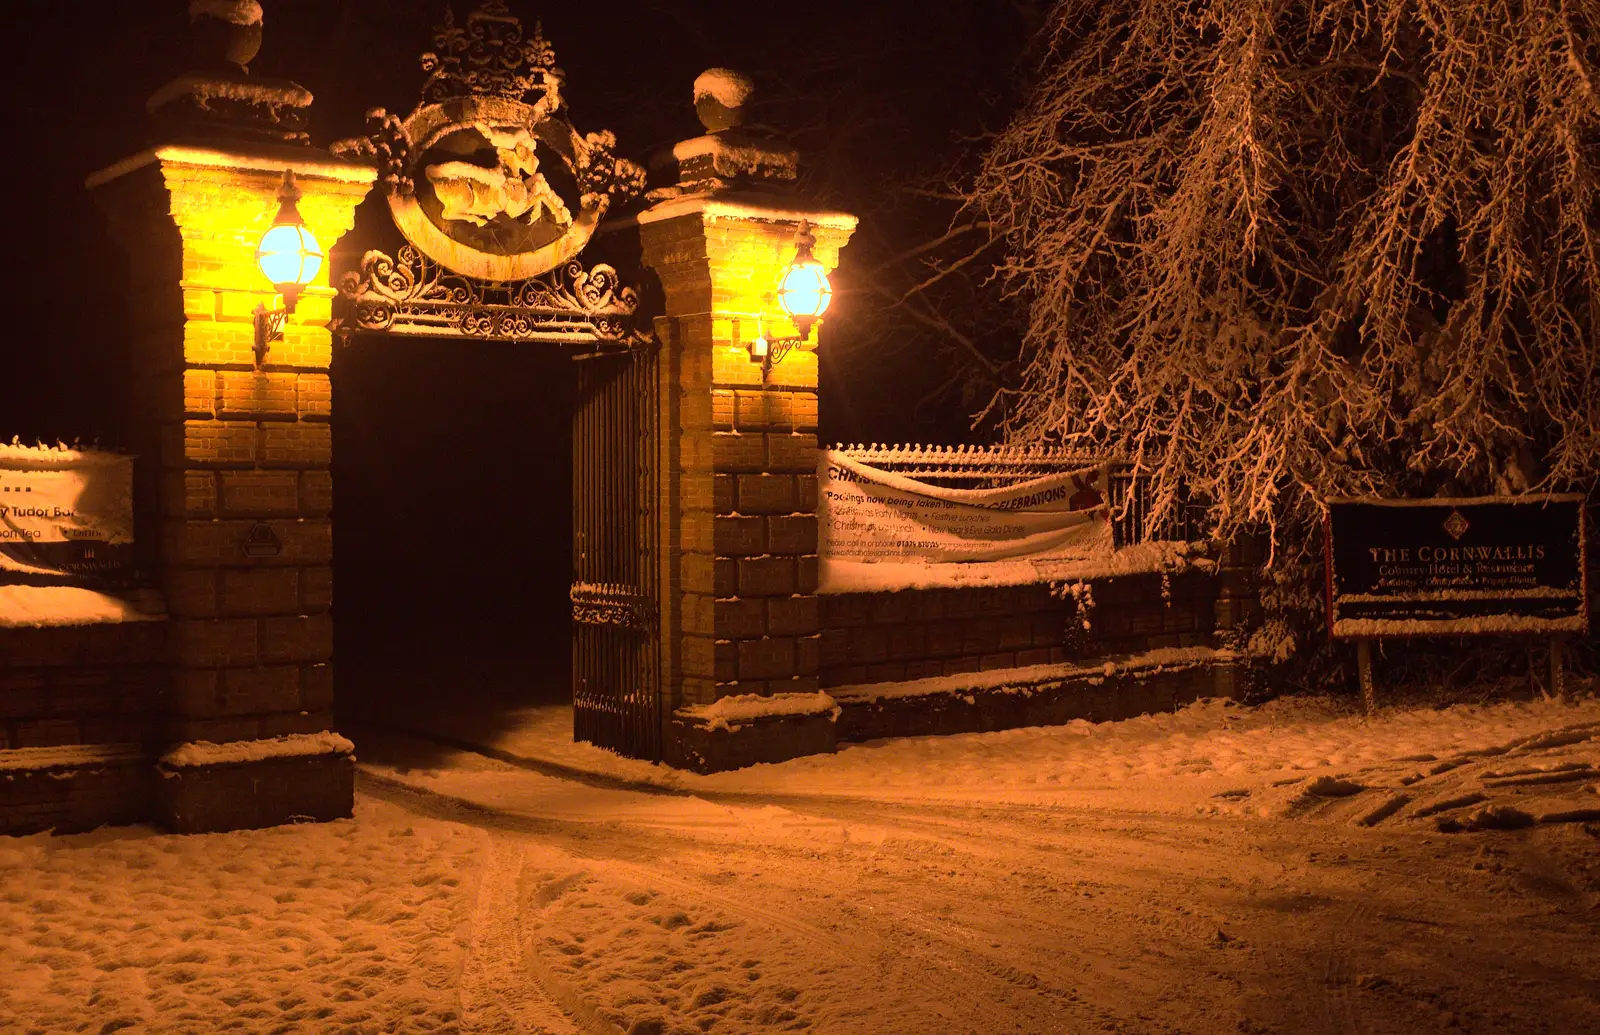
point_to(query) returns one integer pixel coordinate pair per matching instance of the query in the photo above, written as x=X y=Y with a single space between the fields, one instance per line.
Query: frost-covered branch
x=1279 y=251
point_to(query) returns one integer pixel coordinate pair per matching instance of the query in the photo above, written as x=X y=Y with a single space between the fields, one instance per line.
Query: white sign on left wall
x=66 y=516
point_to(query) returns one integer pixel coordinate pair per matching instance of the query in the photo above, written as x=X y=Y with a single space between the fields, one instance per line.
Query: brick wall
x=81 y=684
x=233 y=485
x=764 y=500
x=96 y=686
x=252 y=635
x=916 y=634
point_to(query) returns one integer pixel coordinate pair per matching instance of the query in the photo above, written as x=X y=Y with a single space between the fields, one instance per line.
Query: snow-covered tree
x=1279 y=250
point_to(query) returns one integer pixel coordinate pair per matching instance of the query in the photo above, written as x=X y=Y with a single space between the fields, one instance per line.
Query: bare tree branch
x=1280 y=250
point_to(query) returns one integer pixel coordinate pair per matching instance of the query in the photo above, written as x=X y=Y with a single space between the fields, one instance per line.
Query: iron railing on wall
x=970 y=466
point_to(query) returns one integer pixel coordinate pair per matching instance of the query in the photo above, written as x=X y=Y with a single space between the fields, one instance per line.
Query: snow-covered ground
x=1212 y=756
x=1292 y=868
x=359 y=925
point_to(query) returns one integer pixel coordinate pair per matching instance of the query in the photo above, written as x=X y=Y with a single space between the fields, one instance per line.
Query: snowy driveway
x=1218 y=870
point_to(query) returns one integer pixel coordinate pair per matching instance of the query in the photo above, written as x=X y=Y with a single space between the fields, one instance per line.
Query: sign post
x=1369 y=693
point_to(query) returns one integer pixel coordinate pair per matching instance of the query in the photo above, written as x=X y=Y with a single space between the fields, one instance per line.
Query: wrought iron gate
x=503 y=266
x=616 y=665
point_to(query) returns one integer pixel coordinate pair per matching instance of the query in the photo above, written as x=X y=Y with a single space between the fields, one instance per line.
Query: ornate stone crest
x=487 y=178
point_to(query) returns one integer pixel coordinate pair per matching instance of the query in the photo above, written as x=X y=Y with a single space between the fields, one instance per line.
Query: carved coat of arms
x=514 y=188
x=487 y=177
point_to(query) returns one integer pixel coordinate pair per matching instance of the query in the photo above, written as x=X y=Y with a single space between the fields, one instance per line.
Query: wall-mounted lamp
x=804 y=293
x=290 y=257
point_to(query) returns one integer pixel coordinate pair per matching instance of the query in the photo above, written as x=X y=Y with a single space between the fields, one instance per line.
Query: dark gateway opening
x=453 y=476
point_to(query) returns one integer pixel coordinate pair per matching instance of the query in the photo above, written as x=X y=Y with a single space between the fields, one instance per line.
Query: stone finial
x=719 y=98
x=226 y=32
x=731 y=154
x=220 y=99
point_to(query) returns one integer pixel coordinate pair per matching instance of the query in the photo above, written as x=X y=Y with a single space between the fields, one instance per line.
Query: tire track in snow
x=1136 y=865
x=998 y=833
x=578 y=1009
x=495 y=995
x=1513 y=774
x=865 y=949
x=915 y=951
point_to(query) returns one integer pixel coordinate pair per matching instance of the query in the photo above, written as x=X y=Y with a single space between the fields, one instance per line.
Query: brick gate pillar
x=234 y=491
x=739 y=456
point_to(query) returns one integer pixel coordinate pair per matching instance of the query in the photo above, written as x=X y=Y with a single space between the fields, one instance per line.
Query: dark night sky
x=883 y=89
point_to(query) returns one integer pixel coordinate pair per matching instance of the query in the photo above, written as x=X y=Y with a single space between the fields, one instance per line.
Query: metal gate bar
x=615 y=659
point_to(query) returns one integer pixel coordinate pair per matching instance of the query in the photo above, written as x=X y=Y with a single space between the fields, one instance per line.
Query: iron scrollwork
x=411 y=294
x=601 y=172
x=606 y=604
x=387 y=146
x=489 y=55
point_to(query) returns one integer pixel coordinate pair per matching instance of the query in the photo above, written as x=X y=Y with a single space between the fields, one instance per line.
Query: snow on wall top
x=740 y=159
x=68 y=756
x=965 y=455
x=730 y=711
x=1023 y=679
x=723 y=207
x=41 y=607
x=43 y=458
x=207 y=88
x=239 y=12
x=1476 y=625
x=294 y=745
x=727 y=87
x=1454 y=501
x=315 y=164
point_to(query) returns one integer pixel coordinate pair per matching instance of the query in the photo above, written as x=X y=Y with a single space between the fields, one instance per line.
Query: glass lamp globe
x=289 y=255
x=804 y=291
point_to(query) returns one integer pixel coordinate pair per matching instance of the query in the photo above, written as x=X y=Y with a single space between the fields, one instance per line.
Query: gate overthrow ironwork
x=616 y=658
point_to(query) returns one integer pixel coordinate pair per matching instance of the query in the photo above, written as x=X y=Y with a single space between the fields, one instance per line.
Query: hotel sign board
x=1463 y=566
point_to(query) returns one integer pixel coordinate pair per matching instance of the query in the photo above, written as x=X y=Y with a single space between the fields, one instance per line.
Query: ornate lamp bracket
x=769 y=352
x=269 y=328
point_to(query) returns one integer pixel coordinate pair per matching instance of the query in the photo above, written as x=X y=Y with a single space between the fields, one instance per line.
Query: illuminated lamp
x=290 y=258
x=804 y=293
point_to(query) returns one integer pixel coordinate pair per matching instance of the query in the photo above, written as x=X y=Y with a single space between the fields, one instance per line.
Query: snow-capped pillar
x=235 y=491
x=738 y=452
x=739 y=455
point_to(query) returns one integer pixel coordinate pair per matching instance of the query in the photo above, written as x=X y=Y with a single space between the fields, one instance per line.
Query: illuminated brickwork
x=234 y=487
x=739 y=474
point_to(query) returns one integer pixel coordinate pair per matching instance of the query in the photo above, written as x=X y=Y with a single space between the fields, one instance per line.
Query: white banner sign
x=65 y=515
x=868 y=514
